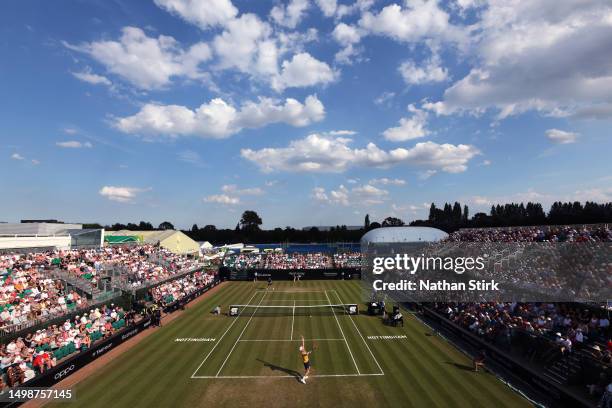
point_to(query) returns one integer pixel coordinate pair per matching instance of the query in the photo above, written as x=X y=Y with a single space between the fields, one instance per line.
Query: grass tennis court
x=252 y=360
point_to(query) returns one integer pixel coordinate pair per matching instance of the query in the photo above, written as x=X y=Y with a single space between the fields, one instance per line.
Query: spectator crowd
x=177 y=289
x=563 y=233
x=294 y=260
x=574 y=335
x=23 y=358
x=27 y=293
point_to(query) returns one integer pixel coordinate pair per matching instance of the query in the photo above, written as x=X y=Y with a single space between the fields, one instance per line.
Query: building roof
x=403 y=234
x=37 y=228
x=173 y=240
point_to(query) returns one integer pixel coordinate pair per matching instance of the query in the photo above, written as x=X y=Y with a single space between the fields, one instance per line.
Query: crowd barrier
x=289 y=274
x=562 y=397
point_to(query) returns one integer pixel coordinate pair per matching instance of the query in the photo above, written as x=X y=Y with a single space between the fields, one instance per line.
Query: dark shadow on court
x=275 y=367
x=460 y=366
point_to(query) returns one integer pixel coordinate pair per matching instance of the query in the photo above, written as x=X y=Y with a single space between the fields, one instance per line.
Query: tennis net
x=293 y=310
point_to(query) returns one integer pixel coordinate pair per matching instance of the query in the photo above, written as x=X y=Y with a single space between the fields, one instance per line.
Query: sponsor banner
x=290 y=274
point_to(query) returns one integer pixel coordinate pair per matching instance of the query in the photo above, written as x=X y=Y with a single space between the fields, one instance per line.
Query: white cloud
x=230 y=194
x=233 y=189
x=303 y=70
x=319 y=194
x=385 y=98
x=359 y=195
x=467 y=4
x=341 y=133
x=218 y=119
x=252 y=47
x=561 y=136
x=17 y=156
x=347 y=54
x=598 y=195
x=292 y=112
x=424 y=175
x=121 y=194
x=244 y=45
x=387 y=181
x=71 y=131
x=73 y=144
x=147 y=62
x=418 y=20
x=317 y=153
x=409 y=128
x=35 y=162
x=486 y=163
x=203 y=13
x=328 y=7
x=347 y=36
x=89 y=77
x=191 y=157
x=398 y=210
x=554 y=57
x=291 y=14
x=222 y=199
x=520 y=197
x=430 y=71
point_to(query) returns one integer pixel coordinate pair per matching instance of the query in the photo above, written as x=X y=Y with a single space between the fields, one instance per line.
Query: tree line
x=448 y=218
x=452 y=217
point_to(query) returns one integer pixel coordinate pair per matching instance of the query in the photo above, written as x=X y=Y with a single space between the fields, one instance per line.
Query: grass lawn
x=254 y=359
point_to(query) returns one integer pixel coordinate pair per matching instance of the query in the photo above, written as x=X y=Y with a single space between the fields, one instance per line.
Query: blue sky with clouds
x=311 y=112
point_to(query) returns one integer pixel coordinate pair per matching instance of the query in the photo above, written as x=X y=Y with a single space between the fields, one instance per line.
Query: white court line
x=296 y=300
x=362 y=338
x=341 y=331
x=239 y=337
x=286 y=376
x=292 y=320
x=291 y=291
x=219 y=341
x=272 y=340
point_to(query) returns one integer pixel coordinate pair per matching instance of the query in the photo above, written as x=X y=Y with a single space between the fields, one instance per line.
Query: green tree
x=392 y=222
x=250 y=221
x=166 y=225
x=145 y=226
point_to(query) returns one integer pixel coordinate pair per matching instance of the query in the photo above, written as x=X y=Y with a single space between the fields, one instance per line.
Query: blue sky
x=311 y=112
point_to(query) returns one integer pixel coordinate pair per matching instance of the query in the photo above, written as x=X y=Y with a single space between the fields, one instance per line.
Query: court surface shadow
x=461 y=366
x=274 y=367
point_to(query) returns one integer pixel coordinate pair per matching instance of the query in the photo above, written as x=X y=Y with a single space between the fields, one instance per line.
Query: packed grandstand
x=570 y=342
x=30 y=295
